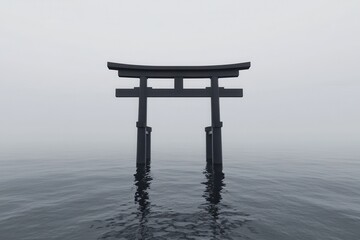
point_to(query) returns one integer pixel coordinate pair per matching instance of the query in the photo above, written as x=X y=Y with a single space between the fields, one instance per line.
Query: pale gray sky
x=303 y=86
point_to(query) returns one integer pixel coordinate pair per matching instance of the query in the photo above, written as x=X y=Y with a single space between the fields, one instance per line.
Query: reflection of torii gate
x=178 y=73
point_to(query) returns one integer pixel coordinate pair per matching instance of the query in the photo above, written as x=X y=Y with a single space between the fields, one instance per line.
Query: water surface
x=272 y=195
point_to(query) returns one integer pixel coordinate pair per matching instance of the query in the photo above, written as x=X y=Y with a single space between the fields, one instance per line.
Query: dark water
x=274 y=195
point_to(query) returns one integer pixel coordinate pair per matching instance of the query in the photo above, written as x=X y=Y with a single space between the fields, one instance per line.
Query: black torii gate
x=178 y=73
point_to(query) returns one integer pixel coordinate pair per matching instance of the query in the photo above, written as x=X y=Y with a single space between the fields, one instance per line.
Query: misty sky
x=303 y=86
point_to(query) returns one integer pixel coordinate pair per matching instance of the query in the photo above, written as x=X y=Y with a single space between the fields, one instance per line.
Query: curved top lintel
x=122 y=66
x=129 y=70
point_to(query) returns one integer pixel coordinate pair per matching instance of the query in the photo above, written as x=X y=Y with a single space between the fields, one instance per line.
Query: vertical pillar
x=141 y=124
x=148 y=144
x=208 y=136
x=215 y=121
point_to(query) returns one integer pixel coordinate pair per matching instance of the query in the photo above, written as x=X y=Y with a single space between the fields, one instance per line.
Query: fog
x=302 y=89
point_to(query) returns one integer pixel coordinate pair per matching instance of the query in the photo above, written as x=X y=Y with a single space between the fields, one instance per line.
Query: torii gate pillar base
x=208 y=137
x=213 y=147
x=148 y=144
x=143 y=155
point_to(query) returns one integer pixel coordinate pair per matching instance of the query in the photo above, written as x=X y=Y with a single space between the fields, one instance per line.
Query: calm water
x=277 y=195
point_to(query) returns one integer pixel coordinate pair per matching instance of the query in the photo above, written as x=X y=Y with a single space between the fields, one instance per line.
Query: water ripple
x=212 y=220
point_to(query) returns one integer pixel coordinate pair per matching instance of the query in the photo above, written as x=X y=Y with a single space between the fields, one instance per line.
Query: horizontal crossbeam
x=150 y=92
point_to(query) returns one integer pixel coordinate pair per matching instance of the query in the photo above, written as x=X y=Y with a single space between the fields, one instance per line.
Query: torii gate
x=178 y=73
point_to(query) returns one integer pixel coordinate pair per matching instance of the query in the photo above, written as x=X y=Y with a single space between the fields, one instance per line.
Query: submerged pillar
x=141 y=124
x=208 y=137
x=148 y=144
x=215 y=122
